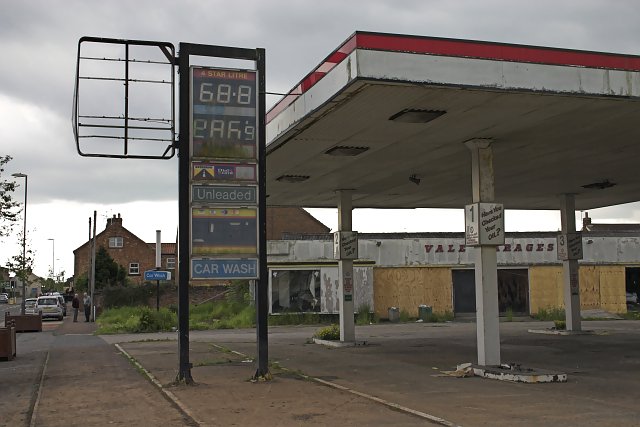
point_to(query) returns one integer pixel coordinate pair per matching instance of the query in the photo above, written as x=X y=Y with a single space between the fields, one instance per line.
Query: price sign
x=223 y=121
x=224 y=159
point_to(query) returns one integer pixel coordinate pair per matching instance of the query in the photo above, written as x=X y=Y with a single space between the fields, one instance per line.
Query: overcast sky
x=39 y=44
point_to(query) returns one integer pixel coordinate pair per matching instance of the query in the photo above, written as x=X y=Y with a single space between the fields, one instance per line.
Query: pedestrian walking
x=87 y=306
x=75 y=304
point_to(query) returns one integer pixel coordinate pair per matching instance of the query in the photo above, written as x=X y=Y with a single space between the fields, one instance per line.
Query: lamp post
x=53 y=259
x=24 y=240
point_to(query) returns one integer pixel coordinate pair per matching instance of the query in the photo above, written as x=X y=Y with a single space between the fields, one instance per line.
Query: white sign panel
x=345 y=245
x=484 y=224
x=569 y=246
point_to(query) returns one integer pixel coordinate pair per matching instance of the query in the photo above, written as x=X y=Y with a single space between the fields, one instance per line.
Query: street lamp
x=24 y=240
x=53 y=259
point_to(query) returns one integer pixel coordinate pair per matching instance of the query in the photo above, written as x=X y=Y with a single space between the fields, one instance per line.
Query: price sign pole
x=222 y=178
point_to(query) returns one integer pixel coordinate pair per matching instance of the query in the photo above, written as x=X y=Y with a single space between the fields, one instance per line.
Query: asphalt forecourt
x=401 y=374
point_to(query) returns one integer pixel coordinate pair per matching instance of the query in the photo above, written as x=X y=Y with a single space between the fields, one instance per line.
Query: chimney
x=115 y=220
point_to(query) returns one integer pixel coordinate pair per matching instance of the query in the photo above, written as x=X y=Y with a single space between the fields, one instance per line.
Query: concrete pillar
x=571 y=276
x=345 y=271
x=486 y=270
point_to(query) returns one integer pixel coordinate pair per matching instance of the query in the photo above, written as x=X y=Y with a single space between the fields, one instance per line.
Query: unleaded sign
x=224 y=194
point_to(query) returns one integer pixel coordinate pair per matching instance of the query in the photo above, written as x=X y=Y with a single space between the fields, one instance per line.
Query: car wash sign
x=224 y=179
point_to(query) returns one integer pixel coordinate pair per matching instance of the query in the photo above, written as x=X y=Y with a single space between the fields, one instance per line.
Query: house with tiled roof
x=127 y=249
x=137 y=256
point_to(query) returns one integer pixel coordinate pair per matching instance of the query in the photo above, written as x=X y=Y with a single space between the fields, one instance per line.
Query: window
x=171 y=263
x=115 y=242
x=134 y=268
x=295 y=291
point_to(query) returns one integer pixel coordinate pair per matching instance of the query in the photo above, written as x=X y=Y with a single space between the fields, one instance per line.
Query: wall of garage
x=407 y=270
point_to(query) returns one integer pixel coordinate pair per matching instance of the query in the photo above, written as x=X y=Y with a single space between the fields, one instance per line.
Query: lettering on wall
x=507 y=247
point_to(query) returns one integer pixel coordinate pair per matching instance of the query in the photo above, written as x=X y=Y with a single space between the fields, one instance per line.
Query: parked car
x=63 y=303
x=50 y=307
x=632 y=298
x=31 y=306
x=4 y=299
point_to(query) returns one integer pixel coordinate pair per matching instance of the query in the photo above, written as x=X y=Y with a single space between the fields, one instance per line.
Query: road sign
x=157 y=275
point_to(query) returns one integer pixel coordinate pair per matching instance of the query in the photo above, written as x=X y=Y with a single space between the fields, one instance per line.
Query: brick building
x=127 y=249
x=282 y=221
x=136 y=256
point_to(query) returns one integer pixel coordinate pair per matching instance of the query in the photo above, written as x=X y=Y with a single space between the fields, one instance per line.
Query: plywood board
x=409 y=287
x=545 y=288
x=612 y=289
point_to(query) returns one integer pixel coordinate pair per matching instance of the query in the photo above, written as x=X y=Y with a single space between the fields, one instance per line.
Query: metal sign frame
x=252 y=173
x=125 y=127
x=186 y=51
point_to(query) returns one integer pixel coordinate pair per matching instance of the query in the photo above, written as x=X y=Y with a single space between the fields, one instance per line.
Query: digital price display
x=223 y=121
x=224 y=231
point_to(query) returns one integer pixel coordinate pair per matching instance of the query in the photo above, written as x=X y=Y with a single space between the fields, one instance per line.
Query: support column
x=345 y=268
x=486 y=272
x=570 y=251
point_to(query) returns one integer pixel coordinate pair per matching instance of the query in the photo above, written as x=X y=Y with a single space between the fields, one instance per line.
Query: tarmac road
x=66 y=376
x=88 y=382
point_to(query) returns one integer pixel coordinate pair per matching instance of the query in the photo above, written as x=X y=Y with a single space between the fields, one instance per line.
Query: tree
x=8 y=211
x=20 y=265
x=108 y=272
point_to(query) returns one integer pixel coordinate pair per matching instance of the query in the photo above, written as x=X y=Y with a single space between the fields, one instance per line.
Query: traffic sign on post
x=157 y=275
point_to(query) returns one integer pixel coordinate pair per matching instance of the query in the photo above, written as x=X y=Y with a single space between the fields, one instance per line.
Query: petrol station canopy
x=386 y=116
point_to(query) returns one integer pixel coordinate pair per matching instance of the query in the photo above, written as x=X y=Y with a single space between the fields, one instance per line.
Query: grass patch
x=447 y=316
x=135 y=319
x=365 y=316
x=509 y=314
x=631 y=315
x=560 y=325
x=295 y=319
x=221 y=315
x=405 y=316
x=551 y=313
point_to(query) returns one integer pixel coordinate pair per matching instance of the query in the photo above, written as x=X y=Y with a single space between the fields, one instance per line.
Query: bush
x=329 y=333
x=238 y=292
x=122 y=296
x=156 y=321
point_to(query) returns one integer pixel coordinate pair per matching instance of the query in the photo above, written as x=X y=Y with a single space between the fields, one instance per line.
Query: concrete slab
x=516 y=373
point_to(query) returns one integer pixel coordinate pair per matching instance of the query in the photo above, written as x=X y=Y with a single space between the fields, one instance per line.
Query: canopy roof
x=396 y=110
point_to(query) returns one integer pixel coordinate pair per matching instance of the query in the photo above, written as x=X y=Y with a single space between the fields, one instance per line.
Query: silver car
x=50 y=307
x=31 y=306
